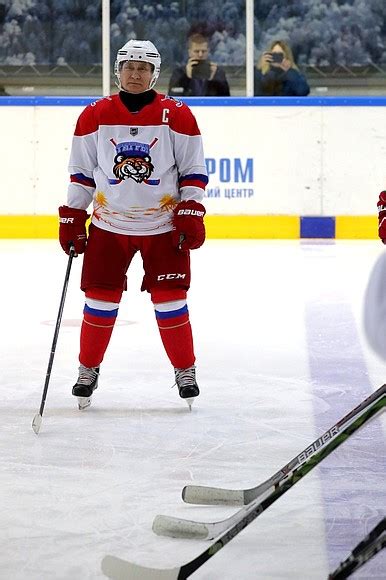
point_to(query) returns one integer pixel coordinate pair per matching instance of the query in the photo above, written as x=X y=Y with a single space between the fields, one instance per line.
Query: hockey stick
x=175 y=527
x=373 y=543
x=37 y=420
x=200 y=494
x=117 y=568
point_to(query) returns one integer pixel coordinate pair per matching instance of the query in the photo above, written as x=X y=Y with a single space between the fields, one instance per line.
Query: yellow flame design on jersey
x=167 y=202
x=100 y=199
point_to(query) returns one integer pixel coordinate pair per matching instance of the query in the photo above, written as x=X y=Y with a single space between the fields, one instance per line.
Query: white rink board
x=301 y=160
x=284 y=143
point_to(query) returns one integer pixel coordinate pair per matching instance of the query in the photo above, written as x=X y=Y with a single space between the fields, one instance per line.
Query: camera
x=277 y=57
x=201 y=70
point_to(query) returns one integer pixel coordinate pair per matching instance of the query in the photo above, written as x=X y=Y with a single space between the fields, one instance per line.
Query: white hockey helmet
x=140 y=50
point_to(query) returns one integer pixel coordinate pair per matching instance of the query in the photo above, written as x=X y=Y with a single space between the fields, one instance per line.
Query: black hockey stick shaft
x=375 y=533
x=257 y=508
x=36 y=423
x=373 y=543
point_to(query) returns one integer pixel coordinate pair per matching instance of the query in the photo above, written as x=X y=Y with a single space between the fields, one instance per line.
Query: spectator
x=277 y=74
x=199 y=77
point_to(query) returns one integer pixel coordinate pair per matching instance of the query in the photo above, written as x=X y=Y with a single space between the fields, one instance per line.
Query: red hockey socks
x=98 y=322
x=176 y=332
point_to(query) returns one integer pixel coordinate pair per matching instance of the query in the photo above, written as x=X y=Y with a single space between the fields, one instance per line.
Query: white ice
x=91 y=483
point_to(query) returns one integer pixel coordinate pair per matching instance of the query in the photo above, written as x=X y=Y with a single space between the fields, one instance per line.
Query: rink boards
x=283 y=168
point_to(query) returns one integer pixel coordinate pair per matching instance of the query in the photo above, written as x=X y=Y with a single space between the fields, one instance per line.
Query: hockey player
x=138 y=157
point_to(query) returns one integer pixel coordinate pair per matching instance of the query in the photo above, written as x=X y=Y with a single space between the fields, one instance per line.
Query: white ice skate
x=85 y=386
x=187 y=385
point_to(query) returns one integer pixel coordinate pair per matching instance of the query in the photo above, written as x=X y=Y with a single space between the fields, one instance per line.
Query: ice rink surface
x=281 y=357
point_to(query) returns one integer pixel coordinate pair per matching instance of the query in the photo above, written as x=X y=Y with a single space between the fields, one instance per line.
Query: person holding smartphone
x=277 y=74
x=199 y=77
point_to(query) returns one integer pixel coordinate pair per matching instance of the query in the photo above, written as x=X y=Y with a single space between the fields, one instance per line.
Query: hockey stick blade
x=176 y=528
x=189 y=529
x=36 y=423
x=119 y=569
x=204 y=495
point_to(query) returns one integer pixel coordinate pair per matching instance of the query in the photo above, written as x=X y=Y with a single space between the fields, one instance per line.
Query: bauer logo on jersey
x=133 y=161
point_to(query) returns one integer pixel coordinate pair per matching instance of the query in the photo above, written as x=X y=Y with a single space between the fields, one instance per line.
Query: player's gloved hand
x=188 y=225
x=72 y=229
x=382 y=216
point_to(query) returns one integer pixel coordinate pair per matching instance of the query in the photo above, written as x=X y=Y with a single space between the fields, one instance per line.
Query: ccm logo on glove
x=72 y=229
x=188 y=225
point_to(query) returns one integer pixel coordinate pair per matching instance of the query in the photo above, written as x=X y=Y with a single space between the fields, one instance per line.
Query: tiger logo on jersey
x=133 y=161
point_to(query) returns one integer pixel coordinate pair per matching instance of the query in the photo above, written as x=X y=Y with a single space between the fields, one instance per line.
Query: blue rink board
x=210 y=101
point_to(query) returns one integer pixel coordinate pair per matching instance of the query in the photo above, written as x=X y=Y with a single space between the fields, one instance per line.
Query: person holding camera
x=277 y=74
x=199 y=77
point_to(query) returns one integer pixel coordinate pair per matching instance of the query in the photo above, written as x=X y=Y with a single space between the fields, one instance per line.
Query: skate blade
x=83 y=403
x=189 y=402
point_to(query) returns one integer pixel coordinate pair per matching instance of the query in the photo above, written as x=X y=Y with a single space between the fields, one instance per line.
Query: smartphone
x=277 y=57
x=201 y=70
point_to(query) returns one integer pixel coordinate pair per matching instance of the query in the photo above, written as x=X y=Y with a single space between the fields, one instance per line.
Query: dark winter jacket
x=280 y=83
x=181 y=85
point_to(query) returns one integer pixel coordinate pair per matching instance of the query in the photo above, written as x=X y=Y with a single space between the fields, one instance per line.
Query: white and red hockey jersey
x=135 y=167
